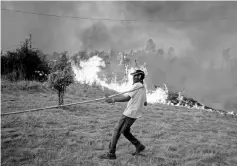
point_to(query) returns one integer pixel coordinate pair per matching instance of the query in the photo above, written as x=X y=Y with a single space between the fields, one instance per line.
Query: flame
x=89 y=69
x=158 y=96
x=87 y=73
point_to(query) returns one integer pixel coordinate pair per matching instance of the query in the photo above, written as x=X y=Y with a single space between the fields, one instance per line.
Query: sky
x=187 y=26
x=199 y=31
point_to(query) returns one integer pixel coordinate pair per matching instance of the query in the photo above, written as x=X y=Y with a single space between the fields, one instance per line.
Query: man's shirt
x=136 y=103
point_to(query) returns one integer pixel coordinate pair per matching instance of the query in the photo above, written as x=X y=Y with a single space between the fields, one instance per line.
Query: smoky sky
x=198 y=31
x=188 y=26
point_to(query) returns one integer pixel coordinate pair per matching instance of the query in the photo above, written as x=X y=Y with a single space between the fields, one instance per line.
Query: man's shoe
x=139 y=149
x=109 y=156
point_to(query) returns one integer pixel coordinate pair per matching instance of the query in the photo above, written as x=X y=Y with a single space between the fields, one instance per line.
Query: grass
x=76 y=135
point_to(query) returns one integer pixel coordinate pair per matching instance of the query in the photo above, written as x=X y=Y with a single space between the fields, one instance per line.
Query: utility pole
x=30 y=41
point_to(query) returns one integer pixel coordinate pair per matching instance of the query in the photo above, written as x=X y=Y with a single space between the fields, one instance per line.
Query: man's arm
x=122 y=99
x=118 y=99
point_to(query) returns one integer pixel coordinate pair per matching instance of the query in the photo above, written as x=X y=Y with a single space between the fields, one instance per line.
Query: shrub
x=25 y=64
x=61 y=76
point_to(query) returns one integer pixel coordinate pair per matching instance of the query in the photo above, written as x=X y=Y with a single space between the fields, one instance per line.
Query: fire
x=88 y=73
x=158 y=96
x=89 y=69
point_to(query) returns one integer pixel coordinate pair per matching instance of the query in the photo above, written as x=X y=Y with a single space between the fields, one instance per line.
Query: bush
x=25 y=64
x=61 y=76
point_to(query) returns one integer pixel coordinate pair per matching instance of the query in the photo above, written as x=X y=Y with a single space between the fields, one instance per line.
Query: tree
x=23 y=63
x=226 y=57
x=170 y=52
x=61 y=76
x=171 y=55
x=160 y=52
x=150 y=46
x=83 y=55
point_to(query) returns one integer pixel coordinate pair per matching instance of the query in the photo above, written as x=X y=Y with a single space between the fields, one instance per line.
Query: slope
x=75 y=135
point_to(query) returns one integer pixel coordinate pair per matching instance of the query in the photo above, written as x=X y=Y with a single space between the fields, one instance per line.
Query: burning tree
x=61 y=76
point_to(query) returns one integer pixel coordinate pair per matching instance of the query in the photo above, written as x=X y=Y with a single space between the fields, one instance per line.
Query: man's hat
x=138 y=72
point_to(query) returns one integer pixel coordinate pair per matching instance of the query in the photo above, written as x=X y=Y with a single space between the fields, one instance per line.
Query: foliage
x=160 y=51
x=150 y=46
x=171 y=51
x=25 y=64
x=81 y=55
x=61 y=76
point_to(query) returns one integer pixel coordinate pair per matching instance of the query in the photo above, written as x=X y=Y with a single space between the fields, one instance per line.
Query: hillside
x=75 y=135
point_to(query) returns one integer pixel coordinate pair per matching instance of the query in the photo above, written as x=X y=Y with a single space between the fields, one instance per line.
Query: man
x=133 y=111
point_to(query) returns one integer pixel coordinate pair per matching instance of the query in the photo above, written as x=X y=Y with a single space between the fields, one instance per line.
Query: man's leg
x=114 y=140
x=127 y=133
x=116 y=135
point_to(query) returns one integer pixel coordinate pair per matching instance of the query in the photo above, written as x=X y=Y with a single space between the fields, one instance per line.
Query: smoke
x=198 y=32
x=183 y=25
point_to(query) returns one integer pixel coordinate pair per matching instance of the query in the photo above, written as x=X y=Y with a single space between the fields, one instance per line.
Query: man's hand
x=109 y=100
x=145 y=103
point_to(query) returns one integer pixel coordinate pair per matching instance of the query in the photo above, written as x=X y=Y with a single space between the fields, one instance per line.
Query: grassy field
x=76 y=135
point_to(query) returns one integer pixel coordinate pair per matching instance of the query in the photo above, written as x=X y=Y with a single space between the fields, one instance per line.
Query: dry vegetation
x=76 y=135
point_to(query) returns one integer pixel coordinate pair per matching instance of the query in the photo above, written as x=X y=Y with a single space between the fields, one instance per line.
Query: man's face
x=136 y=78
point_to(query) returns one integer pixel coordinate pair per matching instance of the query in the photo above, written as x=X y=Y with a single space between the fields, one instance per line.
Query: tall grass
x=24 y=85
x=29 y=85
